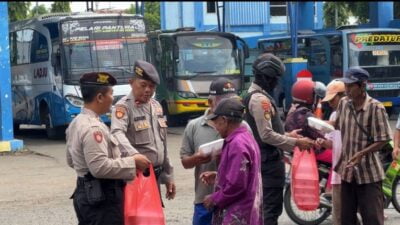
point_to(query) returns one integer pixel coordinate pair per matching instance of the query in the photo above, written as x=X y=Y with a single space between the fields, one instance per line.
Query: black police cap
x=221 y=86
x=97 y=78
x=230 y=107
x=146 y=71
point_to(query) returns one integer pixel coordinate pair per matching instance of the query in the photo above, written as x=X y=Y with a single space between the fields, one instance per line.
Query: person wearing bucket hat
x=365 y=129
x=200 y=131
x=263 y=117
x=138 y=123
x=238 y=189
x=97 y=161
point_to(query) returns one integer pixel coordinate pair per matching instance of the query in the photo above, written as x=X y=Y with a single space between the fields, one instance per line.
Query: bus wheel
x=16 y=128
x=389 y=111
x=172 y=120
x=54 y=133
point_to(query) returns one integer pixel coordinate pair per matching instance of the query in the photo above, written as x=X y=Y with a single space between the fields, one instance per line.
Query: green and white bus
x=188 y=61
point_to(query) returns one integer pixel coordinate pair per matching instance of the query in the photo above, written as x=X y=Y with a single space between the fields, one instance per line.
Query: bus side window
x=39 y=48
x=167 y=58
x=13 y=49
x=335 y=42
x=24 y=40
x=283 y=49
x=315 y=49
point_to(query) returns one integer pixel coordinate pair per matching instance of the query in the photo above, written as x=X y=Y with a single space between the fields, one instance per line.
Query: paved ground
x=35 y=187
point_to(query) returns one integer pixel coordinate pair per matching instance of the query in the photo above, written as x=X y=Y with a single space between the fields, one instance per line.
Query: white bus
x=49 y=54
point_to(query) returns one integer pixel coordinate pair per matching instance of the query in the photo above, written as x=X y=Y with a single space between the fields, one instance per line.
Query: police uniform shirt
x=91 y=147
x=142 y=128
x=261 y=109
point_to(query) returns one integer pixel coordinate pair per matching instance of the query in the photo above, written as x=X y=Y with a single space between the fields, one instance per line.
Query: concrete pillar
x=306 y=15
x=7 y=141
x=380 y=14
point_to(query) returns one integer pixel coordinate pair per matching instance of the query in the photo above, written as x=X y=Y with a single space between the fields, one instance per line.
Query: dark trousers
x=108 y=212
x=273 y=177
x=272 y=205
x=368 y=198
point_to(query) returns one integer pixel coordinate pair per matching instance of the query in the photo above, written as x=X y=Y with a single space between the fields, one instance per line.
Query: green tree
x=18 y=10
x=336 y=14
x=131 y=10
x=152 y=15
x=38 y=10
x=360 y=10
x=60 y=7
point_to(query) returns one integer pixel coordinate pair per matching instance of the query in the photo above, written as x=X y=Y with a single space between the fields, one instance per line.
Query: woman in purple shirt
x=238 y=192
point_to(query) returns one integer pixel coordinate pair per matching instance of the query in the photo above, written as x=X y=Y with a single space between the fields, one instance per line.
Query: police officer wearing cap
x=93 y=153
x=263 y=117
x=138 y=123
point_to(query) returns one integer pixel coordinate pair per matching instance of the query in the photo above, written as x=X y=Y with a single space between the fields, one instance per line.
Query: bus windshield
x=208 y=55
x=102 y=44
x=374 y=49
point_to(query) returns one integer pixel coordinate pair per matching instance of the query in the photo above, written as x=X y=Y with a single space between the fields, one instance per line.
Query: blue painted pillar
x=293 y=18
x=198 y=15
x=162 y=15
x=7 y=142
x=380 y=14
x=320 y=15
x=306 y=15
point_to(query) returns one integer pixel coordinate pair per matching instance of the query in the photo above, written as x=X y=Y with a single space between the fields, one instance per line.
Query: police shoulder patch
x=119 y=112
x=267 y=115
x=98 y=136
x=266 y=105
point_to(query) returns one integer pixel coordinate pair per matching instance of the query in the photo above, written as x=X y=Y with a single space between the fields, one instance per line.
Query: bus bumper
x=73 y=111
x=187 y=106
x=389 y=101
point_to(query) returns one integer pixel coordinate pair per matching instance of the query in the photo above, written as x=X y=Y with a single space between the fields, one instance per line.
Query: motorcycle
x=324 y=210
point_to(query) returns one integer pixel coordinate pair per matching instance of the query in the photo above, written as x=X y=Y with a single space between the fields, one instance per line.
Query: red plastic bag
x=142 y=203
x=305 y=180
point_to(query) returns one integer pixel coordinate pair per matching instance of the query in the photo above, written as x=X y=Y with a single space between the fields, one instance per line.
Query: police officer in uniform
x=263 y=117
x=137 y=121
x=93 y=152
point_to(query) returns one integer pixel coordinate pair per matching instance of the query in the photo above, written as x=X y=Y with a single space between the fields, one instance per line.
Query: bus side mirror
x=175 y=52
x=245 y=48
x=55 y=59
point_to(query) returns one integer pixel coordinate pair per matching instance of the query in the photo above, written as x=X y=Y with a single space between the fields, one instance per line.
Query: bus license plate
x=387 y=104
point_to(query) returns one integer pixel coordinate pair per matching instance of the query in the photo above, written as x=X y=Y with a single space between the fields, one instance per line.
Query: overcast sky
x=81 y=6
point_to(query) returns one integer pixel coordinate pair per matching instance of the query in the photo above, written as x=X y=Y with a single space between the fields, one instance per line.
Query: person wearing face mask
x=138 y=122
x=263 y=117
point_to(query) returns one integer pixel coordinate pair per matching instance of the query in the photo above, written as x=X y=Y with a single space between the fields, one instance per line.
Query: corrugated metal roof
x=248 y=13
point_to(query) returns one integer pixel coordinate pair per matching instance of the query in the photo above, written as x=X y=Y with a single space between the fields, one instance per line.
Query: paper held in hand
x=320 y=125
x=213 y=147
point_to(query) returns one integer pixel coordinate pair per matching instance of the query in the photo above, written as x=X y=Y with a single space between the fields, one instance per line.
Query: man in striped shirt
x=365 y=129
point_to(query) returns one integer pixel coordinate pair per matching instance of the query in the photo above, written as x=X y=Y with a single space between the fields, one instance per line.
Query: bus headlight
x=75 y=100
x=186 y=94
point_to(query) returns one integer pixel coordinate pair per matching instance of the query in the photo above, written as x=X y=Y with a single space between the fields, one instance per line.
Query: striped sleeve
x=381 y=130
